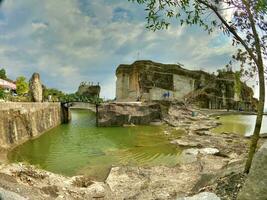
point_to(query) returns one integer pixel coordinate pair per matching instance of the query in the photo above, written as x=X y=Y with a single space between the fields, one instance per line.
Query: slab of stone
x=157 y=182
x=188 y=156
x=185 y=143
x=201 y=196
x=209 y=151
x=8 y=195
x=255 y=186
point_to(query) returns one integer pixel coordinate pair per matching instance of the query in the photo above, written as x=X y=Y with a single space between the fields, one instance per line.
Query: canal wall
x=82 y=105
x=20 y=122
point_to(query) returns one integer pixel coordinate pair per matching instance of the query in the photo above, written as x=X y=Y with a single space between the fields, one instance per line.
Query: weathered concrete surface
x=145 y=80
x=89 y=90
x=36 y=89
x=21 y=121
x=82 y=105
x=201 y=196
x=255 y=186
x=8 y=195
x=118 y=114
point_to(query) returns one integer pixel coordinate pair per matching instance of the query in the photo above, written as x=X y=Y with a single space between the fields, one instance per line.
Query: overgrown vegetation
x=22 y=86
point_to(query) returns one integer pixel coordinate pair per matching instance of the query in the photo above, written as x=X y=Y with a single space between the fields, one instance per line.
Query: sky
x=71 y=41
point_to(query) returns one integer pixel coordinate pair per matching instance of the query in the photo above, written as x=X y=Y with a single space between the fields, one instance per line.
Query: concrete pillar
x=66 y=115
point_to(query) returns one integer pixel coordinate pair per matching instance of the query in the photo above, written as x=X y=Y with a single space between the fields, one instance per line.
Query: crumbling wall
x=148 y=80
x=89 y=90
x=119 y=114
x=182 y=86
x=20 y=122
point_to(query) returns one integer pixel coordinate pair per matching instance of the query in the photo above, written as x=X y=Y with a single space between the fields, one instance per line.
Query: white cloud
x=68 y=43
x=39 y=26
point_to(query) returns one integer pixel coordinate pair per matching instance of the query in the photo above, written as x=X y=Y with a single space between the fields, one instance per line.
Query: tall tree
x=22 y=86
x=247 y=27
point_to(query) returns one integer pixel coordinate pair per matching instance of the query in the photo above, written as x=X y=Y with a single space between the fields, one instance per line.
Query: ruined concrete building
x=89 y=90
x=151 y=81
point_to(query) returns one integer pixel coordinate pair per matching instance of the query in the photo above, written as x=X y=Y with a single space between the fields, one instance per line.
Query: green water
x=240 y=124
x=81 y=148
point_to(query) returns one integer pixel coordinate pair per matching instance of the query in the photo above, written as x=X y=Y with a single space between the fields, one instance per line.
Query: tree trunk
x=256 y=133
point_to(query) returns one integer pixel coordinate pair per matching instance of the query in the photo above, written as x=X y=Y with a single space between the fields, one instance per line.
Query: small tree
x=247 y=28
x=22 y=86
x=3 y=74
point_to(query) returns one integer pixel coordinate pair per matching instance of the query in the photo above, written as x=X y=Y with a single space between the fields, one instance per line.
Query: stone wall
x=88 y=90
x=20 y=122
x=182 y=86
x=119 y=114
x=148 y=81
x=82 y=105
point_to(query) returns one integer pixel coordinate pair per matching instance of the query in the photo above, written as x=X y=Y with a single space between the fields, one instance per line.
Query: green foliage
x=55 y=94
x=238 y=84
x=262 y=6
x=3 y=74
x=2 y=94
x=22 y=85
x=80 y=98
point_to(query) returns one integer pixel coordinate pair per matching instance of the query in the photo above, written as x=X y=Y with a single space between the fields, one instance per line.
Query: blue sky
x=72 y=41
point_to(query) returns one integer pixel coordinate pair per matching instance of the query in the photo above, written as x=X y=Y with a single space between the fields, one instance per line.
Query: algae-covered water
x=240 y=124
x=81 y=148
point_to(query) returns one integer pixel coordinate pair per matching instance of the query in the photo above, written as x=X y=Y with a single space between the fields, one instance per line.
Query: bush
x=2 y=94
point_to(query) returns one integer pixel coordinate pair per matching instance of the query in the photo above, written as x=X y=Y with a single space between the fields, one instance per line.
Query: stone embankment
x=119 y=114
x=210 y=167
x=20 y=122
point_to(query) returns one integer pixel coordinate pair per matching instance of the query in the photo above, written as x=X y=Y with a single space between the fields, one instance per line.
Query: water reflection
x=81 y=148
x=240 y=124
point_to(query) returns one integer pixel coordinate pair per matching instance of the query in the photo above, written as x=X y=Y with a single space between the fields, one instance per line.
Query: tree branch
x=255 y=33
x=231 y=30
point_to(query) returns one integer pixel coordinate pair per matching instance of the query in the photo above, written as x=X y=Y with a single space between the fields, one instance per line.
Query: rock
x=51 y=190
x=185 y=143
x=8 y=195
x=158 y=182
x=203 y=132
x=188 y=156
x=263 y=135
x=36 y=89
x=97 y=190
x=209 y=151
x=256 y=183
x=201 y=196
x=119 y=114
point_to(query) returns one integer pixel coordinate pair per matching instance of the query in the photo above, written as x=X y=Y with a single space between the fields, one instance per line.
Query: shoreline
x=217 y=155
